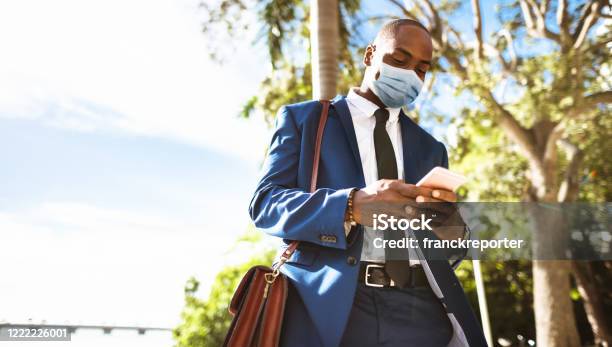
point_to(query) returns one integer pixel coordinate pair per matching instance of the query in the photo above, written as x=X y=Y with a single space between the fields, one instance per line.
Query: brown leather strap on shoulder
x=317 y=150
x=315 y=164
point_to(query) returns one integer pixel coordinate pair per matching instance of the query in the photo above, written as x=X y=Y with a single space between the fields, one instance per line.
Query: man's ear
x=369 y=55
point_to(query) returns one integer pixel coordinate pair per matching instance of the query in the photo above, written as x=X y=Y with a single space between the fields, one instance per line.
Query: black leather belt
x=374 y=275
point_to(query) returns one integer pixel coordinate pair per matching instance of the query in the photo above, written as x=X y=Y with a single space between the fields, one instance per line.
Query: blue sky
x=125 y=168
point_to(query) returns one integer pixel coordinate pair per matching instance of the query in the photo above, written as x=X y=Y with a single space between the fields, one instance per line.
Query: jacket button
x=351 y=260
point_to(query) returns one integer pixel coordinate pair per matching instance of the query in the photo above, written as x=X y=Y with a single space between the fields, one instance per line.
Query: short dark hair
x=391 y=28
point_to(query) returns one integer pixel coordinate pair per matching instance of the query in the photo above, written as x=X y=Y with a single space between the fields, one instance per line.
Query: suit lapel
x=411 y=149
x=342 y=110
x=410 y=143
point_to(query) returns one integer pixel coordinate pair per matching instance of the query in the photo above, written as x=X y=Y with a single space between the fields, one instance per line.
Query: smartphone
x=442 y=178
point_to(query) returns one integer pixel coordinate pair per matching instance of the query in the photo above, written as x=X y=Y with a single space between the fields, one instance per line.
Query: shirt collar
x=367 y=108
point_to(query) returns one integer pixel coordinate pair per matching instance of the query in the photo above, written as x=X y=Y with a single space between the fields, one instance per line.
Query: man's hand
x=403 y=200
x=441 y=208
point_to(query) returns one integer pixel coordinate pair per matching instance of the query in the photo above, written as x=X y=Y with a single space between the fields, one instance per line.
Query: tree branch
x=550 y=148
x=599 y=97
x=435 y=18
x=404 y=10
x=562 y=20
x=588 y=287
x=589 y=102
x=568 y=191
x=515 y=131
x=477 y=20
x=453 y=59
x=544 y=6
x=587 y=20
x=539 y=16
x=506 y=67
x=526 y=10
x=509 y=68
x=458 y=37
x=536 y=21
x=438 y=35
x=603 y=42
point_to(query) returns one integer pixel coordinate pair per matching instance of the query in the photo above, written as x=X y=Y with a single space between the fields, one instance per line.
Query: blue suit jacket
x=325 y=267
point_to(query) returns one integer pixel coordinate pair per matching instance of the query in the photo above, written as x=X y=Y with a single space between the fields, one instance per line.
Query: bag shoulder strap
x=317 y=149
x=315 y=172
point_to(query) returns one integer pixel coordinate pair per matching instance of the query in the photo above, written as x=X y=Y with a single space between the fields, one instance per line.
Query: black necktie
x=396 y=259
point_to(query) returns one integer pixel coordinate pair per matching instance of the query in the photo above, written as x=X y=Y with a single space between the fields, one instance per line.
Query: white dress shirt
x=362 y=113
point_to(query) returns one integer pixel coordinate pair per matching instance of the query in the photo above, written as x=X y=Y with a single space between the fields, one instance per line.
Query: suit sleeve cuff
x=336 y=232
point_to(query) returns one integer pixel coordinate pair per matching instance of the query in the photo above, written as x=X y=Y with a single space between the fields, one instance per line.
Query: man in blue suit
x=345 y=290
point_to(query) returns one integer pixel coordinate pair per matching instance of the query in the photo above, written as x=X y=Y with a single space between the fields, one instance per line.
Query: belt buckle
x=367 y=276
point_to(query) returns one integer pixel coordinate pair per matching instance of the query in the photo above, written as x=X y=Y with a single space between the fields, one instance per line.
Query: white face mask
x=395 y=86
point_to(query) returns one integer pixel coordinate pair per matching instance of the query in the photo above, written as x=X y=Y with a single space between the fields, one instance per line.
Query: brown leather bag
x=258 y=304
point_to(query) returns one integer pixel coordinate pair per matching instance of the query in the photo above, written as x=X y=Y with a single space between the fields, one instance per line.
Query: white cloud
x=136 y=66
x=78 y=217
x=78 y=262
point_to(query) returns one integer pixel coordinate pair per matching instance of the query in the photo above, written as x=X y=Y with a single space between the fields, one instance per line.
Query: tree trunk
x=552 y=304
x=554 y=312
x=324 y=42
x=593 y=304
